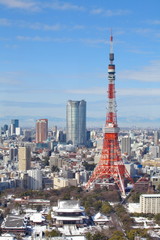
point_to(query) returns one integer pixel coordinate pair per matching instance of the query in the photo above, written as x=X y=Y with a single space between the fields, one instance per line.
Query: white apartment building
x=34 y=179
x=155 y=151
x=126 y=145
x=150 y=203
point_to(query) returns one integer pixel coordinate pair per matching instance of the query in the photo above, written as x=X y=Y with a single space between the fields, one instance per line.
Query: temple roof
x=68 y=206
x=99 y=217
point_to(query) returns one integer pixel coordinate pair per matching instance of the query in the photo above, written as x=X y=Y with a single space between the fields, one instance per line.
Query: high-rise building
x=13 y=153
x=15 y=122
x=61 y=136
x=13 y=126
x=76 y=122
x=41 y=130
x=126 y=145
x=27 y=135
x=5 y=128
x=156 y=137
x=34 y=179
x=24 y=158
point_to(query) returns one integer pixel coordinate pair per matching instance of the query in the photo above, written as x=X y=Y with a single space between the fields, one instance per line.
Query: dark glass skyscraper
x=15 y=122
x=76 y=122
x=13 y=126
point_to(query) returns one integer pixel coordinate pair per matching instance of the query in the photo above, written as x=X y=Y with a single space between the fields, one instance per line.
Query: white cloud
x=150 y=73
x=37 y=5
x=90 y=42
x=94 y=91
x=47 y=27
x=139 y=51
x=78 y=27
x=41 y=26
x=21 y=4
x=109 y=13
x=4 y=22
x=120 y=91
x=63 y=6
x=93 y=41
x=154 y=22
x=43 y=39
x=143 y=30
x=139 y=92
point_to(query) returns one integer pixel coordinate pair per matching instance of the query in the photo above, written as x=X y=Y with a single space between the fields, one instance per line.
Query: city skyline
x=58 y=50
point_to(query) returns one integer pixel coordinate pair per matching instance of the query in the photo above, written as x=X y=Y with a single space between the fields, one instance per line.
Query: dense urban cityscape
x=65 y=175
x=43 y=178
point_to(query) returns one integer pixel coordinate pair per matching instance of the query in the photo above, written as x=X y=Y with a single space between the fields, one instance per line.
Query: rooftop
x=14 y=221
x=151 y=195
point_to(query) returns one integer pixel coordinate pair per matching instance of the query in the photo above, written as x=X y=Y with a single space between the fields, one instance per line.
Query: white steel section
x=111 y=130
x=111 y=70
x=112 y=105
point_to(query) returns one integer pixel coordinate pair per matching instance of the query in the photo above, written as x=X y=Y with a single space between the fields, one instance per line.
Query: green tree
x=137 y=232
x=88 y=236
x=117 y=235
x=49 y=218
x=96 y=236
x=158 y=188
x=97 y=205
x=67 y=196
x=106 y=208
x=53 y=233
x=124 y=216
x=135 y=197
x=99 y=236
x=157 y=218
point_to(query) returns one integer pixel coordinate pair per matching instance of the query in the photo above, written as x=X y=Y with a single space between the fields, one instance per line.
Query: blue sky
x=52 y=51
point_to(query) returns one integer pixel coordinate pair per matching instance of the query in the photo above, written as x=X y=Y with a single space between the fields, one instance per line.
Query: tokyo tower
x=110 y=167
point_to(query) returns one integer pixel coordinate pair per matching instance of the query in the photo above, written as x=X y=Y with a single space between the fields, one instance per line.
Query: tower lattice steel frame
x=111 y=166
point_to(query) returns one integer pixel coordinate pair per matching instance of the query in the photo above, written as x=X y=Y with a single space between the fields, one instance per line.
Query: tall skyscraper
x=13 y=126
x=41 y=130
x=24 y=158
x=156 y=137
x=76 y=122
x=15 y=122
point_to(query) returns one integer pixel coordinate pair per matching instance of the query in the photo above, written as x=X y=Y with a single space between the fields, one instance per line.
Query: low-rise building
x=14 y=224
x=27 y=201
x=7 y=236
x=155 y=179
x=100 y=219
x=142 y=185
x=60 y=182
x=150 y=203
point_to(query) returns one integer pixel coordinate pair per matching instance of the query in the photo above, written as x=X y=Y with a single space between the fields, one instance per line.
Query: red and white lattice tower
x=110 y=166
